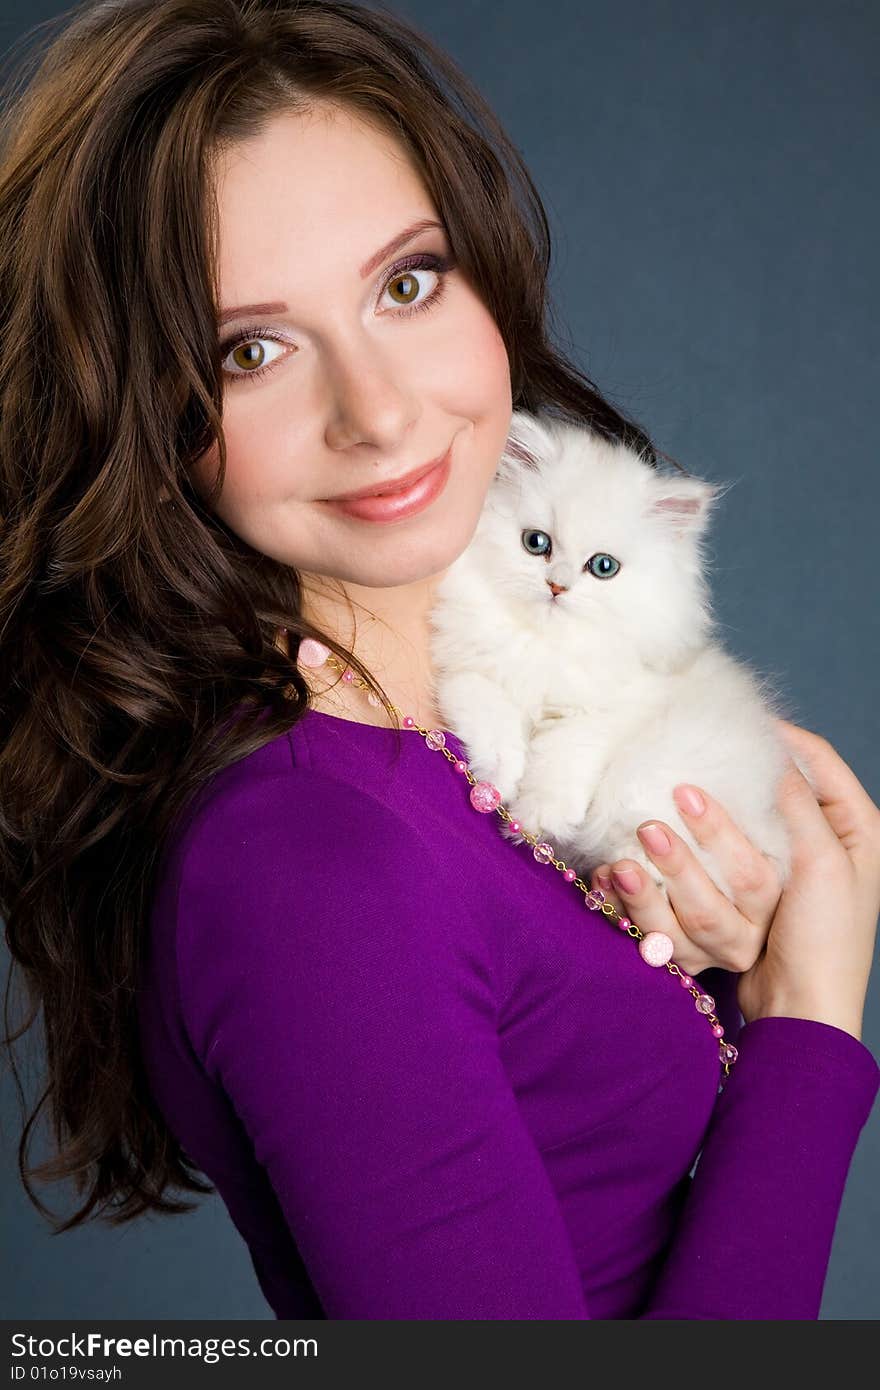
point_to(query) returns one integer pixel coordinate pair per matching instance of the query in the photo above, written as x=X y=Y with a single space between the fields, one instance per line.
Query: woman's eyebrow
x=396 y=242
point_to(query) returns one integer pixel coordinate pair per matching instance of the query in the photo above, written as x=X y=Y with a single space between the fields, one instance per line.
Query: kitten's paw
x=503 y=770
x=544 y=811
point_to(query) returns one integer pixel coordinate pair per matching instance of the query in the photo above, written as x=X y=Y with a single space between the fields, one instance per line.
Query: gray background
x=710 y=174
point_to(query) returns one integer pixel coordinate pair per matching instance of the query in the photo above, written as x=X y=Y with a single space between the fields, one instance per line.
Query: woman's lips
x=394 y=506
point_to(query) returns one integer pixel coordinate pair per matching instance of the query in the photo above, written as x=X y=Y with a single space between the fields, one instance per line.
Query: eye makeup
x=424 y=260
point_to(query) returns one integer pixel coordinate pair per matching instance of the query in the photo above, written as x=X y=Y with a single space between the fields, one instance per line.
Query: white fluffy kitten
x=586 y=707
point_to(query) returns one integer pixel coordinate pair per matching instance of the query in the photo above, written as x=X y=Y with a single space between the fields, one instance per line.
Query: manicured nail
x=625 y=880
x=688 y=799
x=654 y=838
x=604 y=882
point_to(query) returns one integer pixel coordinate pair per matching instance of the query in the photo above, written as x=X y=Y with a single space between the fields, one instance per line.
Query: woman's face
x=365 y=374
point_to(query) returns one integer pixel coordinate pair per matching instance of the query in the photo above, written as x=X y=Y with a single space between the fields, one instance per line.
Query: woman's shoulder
x=274 y=768
x=297 y=860
x=315 y=885
x=273 y=800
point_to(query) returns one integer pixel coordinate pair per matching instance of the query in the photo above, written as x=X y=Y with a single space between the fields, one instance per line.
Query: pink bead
x=685 y=981
x=311 y=653
x=485 y=797
x=348 y=676
x=408 y=721
x=460 y=765
x=515 y=826
x=624 y=923
x=704 y=1004
x=570 y=875
x=718 y=1030
x=543 y=852
x=656 y=948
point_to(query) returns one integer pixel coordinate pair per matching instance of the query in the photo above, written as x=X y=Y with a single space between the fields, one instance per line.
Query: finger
x=646 y=905
x=845 y=803
x=752 y=877
x=810 y=830
x=707 y=916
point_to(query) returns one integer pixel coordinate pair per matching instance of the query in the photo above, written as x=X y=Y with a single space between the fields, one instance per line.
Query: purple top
x=429 y=1083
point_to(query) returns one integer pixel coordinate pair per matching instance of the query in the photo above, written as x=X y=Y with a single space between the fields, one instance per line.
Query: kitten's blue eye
x=536 y=542
x=603 y=566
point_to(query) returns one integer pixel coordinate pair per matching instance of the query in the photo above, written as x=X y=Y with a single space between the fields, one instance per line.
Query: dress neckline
x=451 y=738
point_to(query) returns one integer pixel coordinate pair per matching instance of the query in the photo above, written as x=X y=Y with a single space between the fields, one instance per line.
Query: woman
x=271 y=940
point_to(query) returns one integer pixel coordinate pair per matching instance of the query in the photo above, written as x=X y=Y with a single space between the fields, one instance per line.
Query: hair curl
x=138 y=640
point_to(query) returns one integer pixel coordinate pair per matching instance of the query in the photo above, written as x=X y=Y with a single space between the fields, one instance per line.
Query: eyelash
x=420 y=261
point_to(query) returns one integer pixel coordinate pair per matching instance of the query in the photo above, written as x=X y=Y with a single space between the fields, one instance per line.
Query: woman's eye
x=247 y=354
x=405 y=285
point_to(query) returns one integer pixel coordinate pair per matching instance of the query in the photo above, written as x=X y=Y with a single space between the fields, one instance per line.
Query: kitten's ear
x=684 y=504
x=527 y=443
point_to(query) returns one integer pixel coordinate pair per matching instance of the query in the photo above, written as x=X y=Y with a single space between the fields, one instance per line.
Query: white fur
x=586 y=710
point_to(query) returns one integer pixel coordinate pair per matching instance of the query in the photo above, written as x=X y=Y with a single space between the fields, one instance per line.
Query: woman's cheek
x=482 y=369
x=494 y=366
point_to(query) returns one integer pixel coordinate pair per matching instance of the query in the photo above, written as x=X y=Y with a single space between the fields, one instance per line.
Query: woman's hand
x=705 y=926
x=821 y=944
x=803 y=952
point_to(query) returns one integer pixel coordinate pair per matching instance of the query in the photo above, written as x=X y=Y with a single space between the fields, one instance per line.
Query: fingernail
x=688 y=799
x=656 y=840
x=604 y=882
x=625 y=880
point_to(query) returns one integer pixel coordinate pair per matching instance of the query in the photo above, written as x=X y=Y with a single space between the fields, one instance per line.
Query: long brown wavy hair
x=138 y=640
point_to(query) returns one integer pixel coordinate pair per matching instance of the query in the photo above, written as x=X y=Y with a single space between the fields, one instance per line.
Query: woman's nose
x=371 y=402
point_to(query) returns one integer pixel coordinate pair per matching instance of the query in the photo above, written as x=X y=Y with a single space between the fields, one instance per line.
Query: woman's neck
x=398 y=657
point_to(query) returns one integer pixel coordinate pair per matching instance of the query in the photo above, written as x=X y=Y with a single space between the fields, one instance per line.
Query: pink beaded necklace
x=655 y=947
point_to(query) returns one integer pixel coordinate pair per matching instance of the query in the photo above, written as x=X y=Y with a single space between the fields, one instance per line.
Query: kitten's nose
x=557 y=588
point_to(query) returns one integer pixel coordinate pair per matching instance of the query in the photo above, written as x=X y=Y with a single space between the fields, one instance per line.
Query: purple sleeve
x=756 y=1231
x=331 y=986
